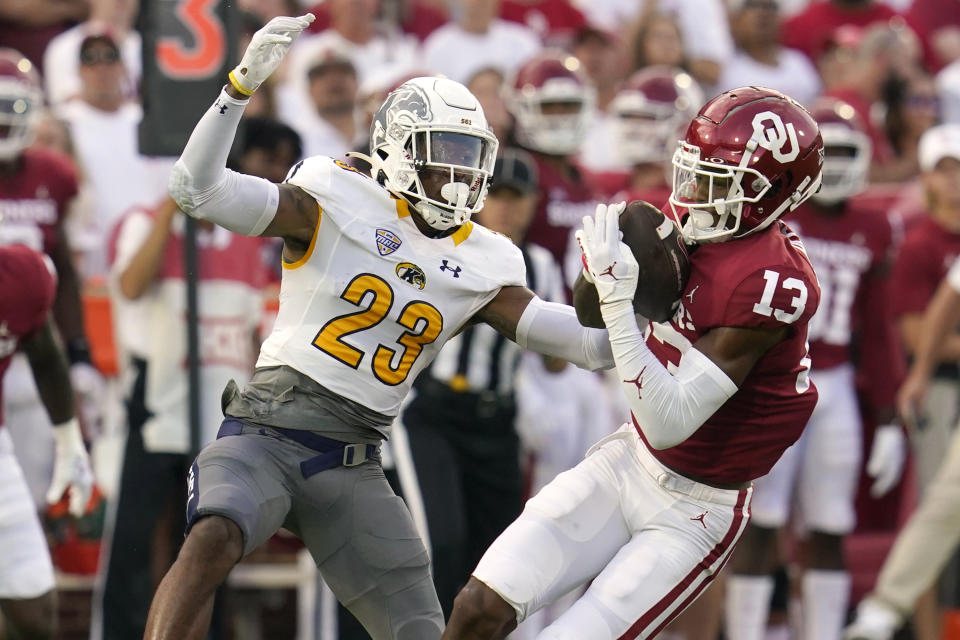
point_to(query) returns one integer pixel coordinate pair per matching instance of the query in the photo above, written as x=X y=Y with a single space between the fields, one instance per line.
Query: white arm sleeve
x=668 y=408
x=203 y=187
x=553 y=330
x=953 y=276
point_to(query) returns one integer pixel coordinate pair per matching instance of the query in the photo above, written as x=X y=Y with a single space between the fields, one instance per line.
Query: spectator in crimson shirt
x=414 y=17
x=937 y=22
x=929 y=248
x=884 y=58
x=811 y=30
x=555 y=21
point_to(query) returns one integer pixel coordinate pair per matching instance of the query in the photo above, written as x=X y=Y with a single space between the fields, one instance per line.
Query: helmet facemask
x=846 y=162
x=555 y=118
x=19 y=108
x=712 y=194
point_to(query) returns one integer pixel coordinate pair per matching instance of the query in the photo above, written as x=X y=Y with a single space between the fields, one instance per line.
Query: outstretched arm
x=939 y=320
x=201 y=184
x=668 y=407
x=548 y=328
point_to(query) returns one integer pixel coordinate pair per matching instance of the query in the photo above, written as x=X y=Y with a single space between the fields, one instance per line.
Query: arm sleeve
x=668 y=408
x=204 y=188
x=953 y=276
x=553 y=330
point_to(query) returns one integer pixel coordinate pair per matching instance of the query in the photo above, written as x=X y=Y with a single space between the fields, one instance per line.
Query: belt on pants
x=332 y=453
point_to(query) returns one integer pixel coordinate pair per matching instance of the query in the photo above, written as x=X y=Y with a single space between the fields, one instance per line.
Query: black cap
x=515 y=169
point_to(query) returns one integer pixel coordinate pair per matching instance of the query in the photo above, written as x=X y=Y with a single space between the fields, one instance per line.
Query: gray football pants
x=358 y=531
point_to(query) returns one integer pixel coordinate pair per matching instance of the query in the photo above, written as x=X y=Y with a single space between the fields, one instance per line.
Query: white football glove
x=89 y=387
x=887 y=456
x=609 y=261
x=266 y=50
x=71 y=467
x=874 y=621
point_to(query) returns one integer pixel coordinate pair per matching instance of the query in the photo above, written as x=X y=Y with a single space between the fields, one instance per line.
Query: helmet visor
x=453 y=167
x=453 y=149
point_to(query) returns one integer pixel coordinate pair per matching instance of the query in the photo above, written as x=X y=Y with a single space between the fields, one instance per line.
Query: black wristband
x=78 y=350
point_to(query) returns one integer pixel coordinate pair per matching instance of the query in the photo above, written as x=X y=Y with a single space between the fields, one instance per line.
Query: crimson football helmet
x=750 y=156
x=651 y=110
x=847 y=150
x=20 y=101
x=551 y=101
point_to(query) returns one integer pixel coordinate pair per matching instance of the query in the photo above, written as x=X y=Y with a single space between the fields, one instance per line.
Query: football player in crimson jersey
x=27 y=286
x=852 y=250
x=380 y=269
x=551 y=102
x=717 y=393
x=37 y=188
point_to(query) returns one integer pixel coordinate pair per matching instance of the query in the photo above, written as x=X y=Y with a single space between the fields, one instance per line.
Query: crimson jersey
x=852 y=253
x=924 y=258
x=34 y=199
x=562 y=202
x=27 y=288
x=762 y=281
x=553 y=20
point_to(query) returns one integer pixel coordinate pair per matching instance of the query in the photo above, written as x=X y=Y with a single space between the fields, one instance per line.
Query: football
x=664 y=267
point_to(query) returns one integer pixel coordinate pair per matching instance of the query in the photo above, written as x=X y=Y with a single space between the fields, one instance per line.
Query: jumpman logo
x=700 y=518
x=690 y=295
x=638 y=382
x=609 y=271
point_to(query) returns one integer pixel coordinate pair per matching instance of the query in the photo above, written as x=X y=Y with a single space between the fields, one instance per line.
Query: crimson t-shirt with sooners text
x=34 y=199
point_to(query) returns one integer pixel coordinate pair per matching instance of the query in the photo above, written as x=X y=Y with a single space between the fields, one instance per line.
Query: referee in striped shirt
x=460 y=421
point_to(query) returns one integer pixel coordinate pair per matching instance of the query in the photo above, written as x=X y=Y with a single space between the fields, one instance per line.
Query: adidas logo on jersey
x=412 y=275
x=387 y=242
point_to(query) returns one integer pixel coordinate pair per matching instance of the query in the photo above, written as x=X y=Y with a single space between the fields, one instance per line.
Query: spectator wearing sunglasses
x=61 y=63
x=118 y=176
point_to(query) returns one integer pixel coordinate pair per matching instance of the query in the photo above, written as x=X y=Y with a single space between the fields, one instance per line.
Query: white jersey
x=373 y=299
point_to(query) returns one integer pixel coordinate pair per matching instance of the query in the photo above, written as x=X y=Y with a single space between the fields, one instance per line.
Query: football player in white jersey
x=379 y=271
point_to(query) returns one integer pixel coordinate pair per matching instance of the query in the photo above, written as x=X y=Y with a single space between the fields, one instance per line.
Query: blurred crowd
x=588 y=99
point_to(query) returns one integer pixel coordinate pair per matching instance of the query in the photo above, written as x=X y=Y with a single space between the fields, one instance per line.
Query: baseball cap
x=327 y=57
x=942 y=141
x=98 y=36
x=515 y=169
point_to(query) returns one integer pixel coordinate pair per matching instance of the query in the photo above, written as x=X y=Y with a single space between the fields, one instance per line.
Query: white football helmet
x=847 y=150
x=20 y=102
x=552 y=103
x=430 y=144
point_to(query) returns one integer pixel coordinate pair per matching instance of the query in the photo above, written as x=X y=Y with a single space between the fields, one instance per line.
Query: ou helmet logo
x=776 y=136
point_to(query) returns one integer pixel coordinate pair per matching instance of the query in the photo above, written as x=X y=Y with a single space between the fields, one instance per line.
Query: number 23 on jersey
x=421 y=321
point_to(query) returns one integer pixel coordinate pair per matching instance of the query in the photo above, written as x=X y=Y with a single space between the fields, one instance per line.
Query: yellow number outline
x=330 y=337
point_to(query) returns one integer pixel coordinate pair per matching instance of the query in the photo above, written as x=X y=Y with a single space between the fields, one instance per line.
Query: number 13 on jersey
x=797 y=304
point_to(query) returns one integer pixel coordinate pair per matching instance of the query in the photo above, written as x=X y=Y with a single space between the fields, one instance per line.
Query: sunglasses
x=99 y=56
